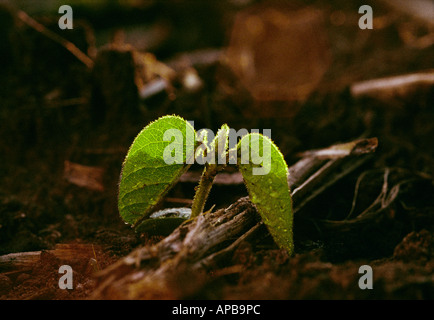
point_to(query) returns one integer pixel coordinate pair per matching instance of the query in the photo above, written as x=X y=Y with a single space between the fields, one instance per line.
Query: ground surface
x=55 y=111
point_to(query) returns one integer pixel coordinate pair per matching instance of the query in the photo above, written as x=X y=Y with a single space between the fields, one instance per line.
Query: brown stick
x=393 y=87
x=24 y=17
x=64 y=252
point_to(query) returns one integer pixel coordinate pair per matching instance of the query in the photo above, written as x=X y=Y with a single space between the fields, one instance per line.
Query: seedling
x=155 y=162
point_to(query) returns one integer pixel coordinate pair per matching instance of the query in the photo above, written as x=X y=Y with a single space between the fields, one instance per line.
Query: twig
x=67 y=252
x=328 y=172
x=376 y=213
x=19 y=260
x=390 y=87
x=24 y=17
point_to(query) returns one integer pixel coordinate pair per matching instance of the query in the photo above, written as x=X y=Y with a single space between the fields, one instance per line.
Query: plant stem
x=203 y=189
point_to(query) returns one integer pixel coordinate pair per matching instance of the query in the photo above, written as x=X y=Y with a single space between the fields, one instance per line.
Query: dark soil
x=55 y=110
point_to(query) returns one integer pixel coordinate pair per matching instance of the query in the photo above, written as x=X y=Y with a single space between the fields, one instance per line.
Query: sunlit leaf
x=152 y=166
x=265 y=174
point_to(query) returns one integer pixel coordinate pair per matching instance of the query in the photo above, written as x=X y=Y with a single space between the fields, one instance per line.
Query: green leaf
x=163 y=222
x=152 y=166
x=265 y=174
